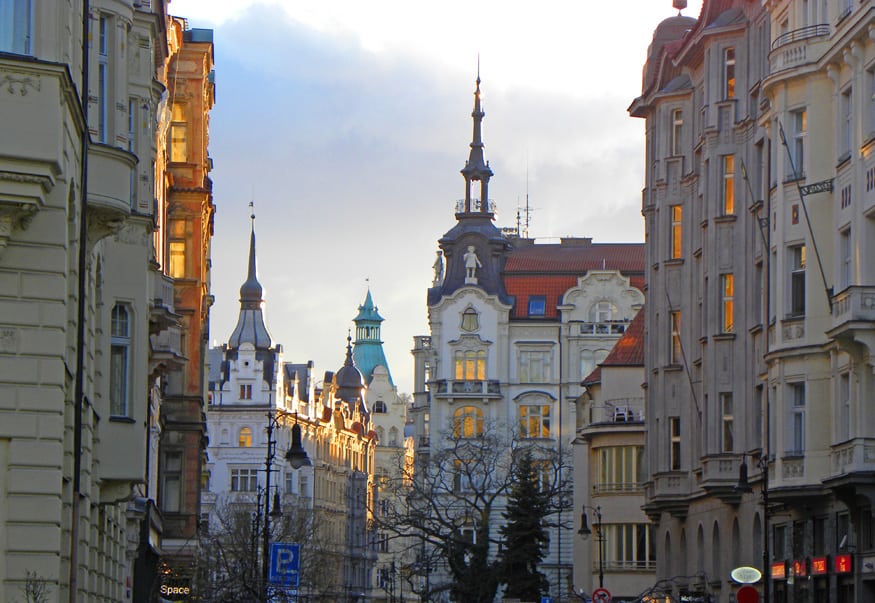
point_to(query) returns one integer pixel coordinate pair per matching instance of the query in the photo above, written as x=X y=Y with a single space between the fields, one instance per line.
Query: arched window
x=603 y=311
x=119 y=361
x=245 y=438
x=381 y=435
x=379 y=407
x=468 y=422
x=393 y=436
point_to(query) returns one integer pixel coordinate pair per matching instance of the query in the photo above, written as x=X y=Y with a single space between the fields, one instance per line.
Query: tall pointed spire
x=251 y=292
x=250 y=324
x=477 y=168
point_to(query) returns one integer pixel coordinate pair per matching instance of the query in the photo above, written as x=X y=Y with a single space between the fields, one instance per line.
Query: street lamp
x=297 y=458
x=585 y=531
x=744 y=486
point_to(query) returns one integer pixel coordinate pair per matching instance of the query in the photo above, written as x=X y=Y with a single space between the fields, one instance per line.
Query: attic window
x=537 y=305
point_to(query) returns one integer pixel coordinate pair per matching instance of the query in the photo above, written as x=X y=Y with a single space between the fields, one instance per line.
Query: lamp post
x=297 y=458
x=585 y=531
x=744 y=486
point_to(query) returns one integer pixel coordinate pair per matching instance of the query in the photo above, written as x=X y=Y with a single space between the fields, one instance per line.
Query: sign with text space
x=285 y=563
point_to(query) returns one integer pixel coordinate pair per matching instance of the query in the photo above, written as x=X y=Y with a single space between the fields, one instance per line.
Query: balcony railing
x=445 y=387
x=611 y=327
x=610 y=488
x=475 y=206
x=618 y=410
x=803 y=33
x=855 y=303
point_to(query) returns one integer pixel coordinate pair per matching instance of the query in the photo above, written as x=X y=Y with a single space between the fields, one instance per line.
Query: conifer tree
x=525 y=533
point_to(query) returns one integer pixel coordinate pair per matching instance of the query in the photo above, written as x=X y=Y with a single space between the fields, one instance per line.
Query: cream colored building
x=85 y=287
x=769 y=105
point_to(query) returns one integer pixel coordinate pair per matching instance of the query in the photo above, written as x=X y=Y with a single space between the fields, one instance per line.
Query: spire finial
x=252 y=213
x=478 y=71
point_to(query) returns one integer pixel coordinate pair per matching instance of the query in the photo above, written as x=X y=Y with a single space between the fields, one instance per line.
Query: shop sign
x=800 y=568
x=746 y=575
x=843 y=564
x=818 y=566
x=779 y=570
x=174 y=590
x=694 y=597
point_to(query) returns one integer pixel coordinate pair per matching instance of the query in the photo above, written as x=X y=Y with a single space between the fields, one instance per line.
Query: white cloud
x=348 y=123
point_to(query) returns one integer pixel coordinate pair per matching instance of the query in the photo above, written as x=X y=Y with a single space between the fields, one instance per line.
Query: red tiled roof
x=629 y=349
x=551 y=270
x=577 y=259
x=593 y=377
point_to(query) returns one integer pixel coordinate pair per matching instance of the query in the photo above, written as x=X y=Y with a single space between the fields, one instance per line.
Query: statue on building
x=438 y=269
x=472 y=263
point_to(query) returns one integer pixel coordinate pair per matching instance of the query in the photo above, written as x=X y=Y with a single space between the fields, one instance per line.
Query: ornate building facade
x=257 y=400
x=515 y=326
x=83 y=207
x=758 y=208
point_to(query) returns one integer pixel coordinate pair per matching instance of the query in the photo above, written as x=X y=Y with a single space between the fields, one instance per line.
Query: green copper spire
x=368 y=352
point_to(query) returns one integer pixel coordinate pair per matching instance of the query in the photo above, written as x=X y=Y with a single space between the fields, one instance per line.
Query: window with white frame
x=629 y=546
x=467 y=422
x=620 y=468
x=245 y=391
x=380 y=407
x=16 y=26
x=674 y=436
x=727 y=191
x=604 y=311
x=119 y=361
x=727 y=303
x=677 y=129
x=797 y=262
x=470 y=365
x=727 y=423
x=244 y=480
x=796 y=428
x=534 y=420
x=847 y=125
x=535 y=366
x=729 y=73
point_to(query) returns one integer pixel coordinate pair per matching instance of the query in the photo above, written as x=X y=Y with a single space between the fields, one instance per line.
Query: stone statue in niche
x=438 y=270
x=472 y=263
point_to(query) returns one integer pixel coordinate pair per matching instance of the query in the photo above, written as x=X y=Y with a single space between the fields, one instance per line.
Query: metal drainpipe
x=79 y=388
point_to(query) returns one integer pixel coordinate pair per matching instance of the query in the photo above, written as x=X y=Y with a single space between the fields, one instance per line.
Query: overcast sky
x=347 y=122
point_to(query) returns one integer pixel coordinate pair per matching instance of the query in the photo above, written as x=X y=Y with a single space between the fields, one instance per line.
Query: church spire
x=476 y=168
x=250 y=324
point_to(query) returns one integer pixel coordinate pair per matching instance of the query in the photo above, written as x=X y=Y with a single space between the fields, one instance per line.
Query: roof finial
x=252 y=214
x=478 y=71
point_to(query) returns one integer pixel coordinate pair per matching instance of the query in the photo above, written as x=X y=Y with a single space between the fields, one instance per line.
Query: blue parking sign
x=285 y=562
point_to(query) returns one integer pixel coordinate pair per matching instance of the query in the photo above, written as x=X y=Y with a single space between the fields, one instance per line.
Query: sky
x=346 y=124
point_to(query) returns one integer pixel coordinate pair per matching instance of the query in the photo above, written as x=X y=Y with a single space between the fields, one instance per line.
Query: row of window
x=794 y=421
x=534 y=366
x=534 y=421
x=246 y=480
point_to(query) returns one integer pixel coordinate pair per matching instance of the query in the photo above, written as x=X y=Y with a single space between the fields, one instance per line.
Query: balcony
x=109 y=190
x=852 y=465
x=720 y=476
x=167 y=353
x=799 y=47
x=161 y=311
x=602 y=329
x=669 y=491
x=447 y=388
x=853 y=315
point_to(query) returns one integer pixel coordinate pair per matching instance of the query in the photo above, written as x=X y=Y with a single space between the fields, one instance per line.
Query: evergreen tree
x=525 y=533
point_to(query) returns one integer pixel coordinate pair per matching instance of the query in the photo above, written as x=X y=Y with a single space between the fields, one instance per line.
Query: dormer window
x=537 y=305
x=470 y=320
x=379 y=407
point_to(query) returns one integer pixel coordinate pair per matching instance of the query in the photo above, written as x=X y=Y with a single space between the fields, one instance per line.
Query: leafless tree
x=450 y=503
